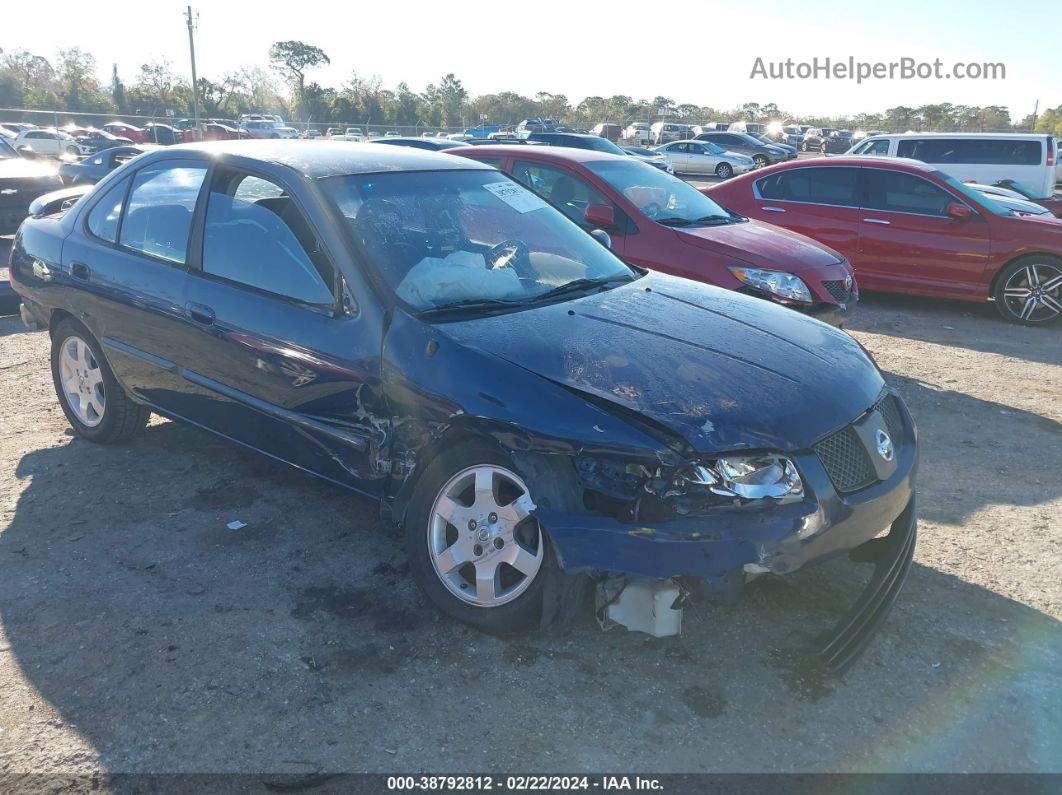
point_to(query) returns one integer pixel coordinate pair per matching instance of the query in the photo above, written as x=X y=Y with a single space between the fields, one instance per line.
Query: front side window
x=103 y=218
x=834 y=186
x=158 y=217
x=874 y=148
x=898 y=192
x=255 y=235
x=446 y=238
x=665 y=199
x=565 y=191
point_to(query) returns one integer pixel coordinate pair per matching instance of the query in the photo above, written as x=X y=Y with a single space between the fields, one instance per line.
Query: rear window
x=835 y=186
x=977 y=151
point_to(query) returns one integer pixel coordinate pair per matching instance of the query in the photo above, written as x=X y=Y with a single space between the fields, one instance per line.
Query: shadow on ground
x=298 y=645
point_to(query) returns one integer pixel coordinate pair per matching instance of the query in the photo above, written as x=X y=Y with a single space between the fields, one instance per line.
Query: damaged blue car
x=529 y=410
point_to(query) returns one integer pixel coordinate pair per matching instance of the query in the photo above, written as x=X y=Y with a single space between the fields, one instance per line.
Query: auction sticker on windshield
x=520 y=199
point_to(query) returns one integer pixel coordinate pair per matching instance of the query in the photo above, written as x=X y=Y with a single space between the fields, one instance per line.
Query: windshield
x=1023 y=189
x=455 y=238
x=712 y=149
x=658 y=195
x=977 y=196
x=603 y=145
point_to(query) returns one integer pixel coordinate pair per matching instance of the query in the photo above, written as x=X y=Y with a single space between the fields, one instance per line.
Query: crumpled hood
x=761 y=245
x=722 y=370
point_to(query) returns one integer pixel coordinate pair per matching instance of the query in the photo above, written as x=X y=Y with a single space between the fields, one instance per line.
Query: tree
x=117 y=89
x=154 y=86
x=294 y=58
x=76 y=70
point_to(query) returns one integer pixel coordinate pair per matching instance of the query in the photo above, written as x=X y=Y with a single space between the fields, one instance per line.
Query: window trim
x=859 y=192
x=977 y=212
x=337 y=310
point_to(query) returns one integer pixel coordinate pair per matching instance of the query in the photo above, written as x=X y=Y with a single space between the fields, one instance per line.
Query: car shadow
x=297 y=644
x=959 y=324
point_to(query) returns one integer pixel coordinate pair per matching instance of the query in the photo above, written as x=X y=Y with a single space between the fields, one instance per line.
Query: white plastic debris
x=645 y=606
x=236 y=525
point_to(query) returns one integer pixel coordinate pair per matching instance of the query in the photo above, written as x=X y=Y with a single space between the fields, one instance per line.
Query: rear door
x=678 y=154
x=908 y=244
x=280 y=358
x=129 y=266
x=818 y=201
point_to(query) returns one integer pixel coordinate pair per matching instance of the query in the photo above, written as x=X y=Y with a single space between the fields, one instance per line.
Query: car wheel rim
x=1034 y=293
x=82 y=382
x=484 y=545
x=724 y=171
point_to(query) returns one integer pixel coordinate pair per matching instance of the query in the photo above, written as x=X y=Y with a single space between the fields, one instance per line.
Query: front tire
x=473 y=547
x=93 y=401
x=72 y=150
x=724 y=171
x=1029 y=290
x=761 y=161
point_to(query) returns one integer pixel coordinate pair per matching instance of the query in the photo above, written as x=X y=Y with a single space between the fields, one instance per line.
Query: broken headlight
x=756 y=477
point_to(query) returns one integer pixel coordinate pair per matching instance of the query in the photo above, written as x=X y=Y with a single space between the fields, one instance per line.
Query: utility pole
x=195 y=81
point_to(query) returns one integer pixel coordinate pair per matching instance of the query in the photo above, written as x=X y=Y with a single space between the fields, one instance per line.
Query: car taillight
x=1050 y=155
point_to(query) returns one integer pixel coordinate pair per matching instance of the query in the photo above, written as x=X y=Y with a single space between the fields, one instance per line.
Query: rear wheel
x=92 y=399
x=71 y=150
x=1029 y=291
x=473 y=546
x=724 y=171
x=761 y=161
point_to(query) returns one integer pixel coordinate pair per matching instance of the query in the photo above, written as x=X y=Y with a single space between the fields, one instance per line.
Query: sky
x=700 y=51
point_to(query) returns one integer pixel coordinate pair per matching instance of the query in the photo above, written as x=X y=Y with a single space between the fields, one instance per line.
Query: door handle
x=876 y=221
x=200 y=313
x=79 y=270
x=773 y=209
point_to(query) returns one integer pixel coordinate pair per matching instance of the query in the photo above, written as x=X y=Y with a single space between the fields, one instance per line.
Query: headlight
x=756 y=477
x=780 y=283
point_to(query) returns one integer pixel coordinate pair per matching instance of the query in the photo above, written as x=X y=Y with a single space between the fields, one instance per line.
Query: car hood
x=721 y=370
x=761 y=245
x=21 y=168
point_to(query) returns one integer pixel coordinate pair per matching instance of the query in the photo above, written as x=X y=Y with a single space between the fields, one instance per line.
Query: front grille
x=840 y=293
x=891 y=412
x=846 y=460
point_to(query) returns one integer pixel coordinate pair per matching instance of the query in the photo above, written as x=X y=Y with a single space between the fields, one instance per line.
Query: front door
x=907 y=243
x=281 y=359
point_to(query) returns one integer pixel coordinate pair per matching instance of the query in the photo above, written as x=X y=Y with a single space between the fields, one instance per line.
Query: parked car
x=660 y=222
x=704 y=157
x=753 y=128
x=860 y=135
x=528 y=126
x=429 y=144
x=762 y=154
x=607 y=130
x=826 y=140
x=356 y=134
x=482 y=130
x=1050 y=201
x=1028 y=158
x=97 y=140
x=790 y=151
x=791 y=134
x=527 y=407
x=712 y=126
x=21 y=181
x=162 y=134
x=650 y=156
x=122 y=130
x=664 y=132
x=1011 y=199
x=95 y=167
x=57 y=201
x=638 y=132
x=908 y=227
x=49 y=143
x=11 y=129
x=576 y=141
x=220 y=132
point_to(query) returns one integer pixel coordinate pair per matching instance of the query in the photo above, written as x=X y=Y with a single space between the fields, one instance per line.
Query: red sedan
x=659 y=222
x=123 y=130
x=219 y=132
x=907 y=227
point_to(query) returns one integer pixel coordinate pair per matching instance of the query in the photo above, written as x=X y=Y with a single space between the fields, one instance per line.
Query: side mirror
x=599 y=215
x=958 y=211
x=601 y=236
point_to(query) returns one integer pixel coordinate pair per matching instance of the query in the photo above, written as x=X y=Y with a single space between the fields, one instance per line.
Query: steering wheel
x=507 y=254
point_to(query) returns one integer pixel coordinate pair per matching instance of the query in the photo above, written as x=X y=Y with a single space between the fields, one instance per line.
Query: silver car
x=703 y=157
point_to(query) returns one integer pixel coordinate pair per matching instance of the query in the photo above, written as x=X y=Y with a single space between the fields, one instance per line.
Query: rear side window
x=975 y=151
x=158 y=217
x=895 y=191
x=567 y=192
x=835 y=186
x=103 y=218
x=257 y=236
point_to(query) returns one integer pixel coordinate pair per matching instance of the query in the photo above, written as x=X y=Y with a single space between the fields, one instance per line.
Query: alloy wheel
x=724 y=171
x=484 y=545
x=82 y=381
x=1034 y=293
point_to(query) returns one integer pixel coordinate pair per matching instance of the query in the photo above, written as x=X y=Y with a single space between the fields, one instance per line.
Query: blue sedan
x=533 y=413
x=95 y=167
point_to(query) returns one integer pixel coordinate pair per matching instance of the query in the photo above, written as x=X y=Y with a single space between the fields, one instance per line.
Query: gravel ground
x=138 y=634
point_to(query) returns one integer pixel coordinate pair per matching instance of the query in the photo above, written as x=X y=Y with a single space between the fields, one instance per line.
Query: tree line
x=70 y=82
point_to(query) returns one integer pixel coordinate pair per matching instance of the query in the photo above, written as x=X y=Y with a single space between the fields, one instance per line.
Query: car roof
x=326 y=158
x=563 y=153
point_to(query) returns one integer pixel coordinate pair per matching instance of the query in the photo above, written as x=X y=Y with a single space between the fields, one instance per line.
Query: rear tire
x=1029 y=290
x=460 y=557
x=724 y=171
x=761 y=161
x=93 y=401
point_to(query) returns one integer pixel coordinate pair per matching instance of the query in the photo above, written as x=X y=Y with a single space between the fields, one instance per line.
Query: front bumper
x=834 y=314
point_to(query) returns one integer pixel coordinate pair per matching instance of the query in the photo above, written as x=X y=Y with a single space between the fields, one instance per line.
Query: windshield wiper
x=675 y=221
x=582 y=284
x=716 y=217
x=468 y=305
